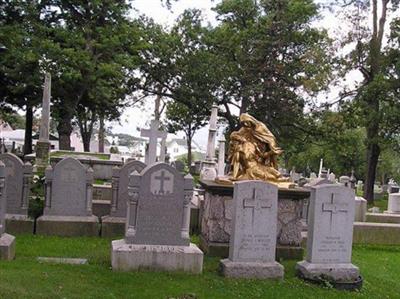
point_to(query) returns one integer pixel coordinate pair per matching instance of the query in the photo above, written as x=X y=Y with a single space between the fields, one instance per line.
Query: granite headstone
x=254 y=228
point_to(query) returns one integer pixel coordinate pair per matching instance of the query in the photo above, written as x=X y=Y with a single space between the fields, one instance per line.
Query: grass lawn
x=27 y=278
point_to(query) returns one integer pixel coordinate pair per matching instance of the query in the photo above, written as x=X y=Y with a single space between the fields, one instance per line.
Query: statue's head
x=247 y=120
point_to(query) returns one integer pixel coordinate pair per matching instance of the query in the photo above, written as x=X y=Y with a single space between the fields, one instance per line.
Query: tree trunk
x=28 y=130
x=86 y=141
x=189 y=154
x=373 y=152
x=64 y=129
x=101 y=135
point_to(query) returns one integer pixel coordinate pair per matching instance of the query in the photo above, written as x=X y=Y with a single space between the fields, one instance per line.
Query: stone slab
x=112 y=227
x=62 y=260
x=251 y=269
x=131 y=257
x=329 y=272
x=19 y=224
x=68 y=226
x=101 y=208
x=376 y=233
x=382 y=218
x=7 y=247
x=222 y=250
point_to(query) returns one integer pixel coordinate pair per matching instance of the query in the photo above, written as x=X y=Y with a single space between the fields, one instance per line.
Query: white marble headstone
x=254 y=223
x=330 y=224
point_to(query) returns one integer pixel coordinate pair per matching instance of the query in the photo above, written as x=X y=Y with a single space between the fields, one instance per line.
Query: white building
x=177 y=147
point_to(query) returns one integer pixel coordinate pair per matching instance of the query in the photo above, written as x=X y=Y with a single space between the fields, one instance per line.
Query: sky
x=135 y=118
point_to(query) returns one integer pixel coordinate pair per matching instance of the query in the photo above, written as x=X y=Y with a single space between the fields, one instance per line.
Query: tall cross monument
x=153 y=134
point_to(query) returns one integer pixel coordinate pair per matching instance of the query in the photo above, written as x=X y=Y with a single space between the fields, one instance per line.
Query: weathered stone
x=62 y=260
x=253 y=236
x=7 y=242
x=68 y=206
x=360 y=209
x=153 y=134
x=393 y=203
x=157 y=224
x=7 y=247
x=330 y=235
x=377 y=233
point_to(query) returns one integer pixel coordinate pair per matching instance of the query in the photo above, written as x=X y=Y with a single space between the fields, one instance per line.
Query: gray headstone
x=158 y=210
x=178 y=165
x=120 y=187
x=344 y=180
x=254 y=222
x=18 y=177
x=2 y=199
x=330 y=224
x=68 y=189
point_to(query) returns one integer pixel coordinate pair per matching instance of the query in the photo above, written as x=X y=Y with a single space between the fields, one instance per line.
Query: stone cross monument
x=153 y=134
x=43 y=144
x=208 y=171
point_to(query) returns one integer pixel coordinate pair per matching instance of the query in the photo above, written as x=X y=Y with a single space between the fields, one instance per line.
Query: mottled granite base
x=7 y=247
x=112 y=227
x=272 y=270
x=216 y=216
x=338 y=273
x=131 y=257
x=19 y=224
x=68 y=226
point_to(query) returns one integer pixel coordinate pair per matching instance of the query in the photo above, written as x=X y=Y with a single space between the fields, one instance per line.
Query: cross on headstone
x=153 y=134
x=334 y=208
x=256 y=202
x=162 y=178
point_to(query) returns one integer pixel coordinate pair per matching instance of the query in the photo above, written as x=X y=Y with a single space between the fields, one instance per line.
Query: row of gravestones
x=157 y=225
x=68 y=198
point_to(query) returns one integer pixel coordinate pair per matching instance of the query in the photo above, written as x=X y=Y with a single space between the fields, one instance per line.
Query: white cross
x=153 y=134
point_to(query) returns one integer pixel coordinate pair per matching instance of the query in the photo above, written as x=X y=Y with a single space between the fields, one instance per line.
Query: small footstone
x=7 y=247
x=62 y=260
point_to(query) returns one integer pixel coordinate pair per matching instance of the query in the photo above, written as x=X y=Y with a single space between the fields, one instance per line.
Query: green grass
x=59 y=154
x=382 y=204
x=27 y=278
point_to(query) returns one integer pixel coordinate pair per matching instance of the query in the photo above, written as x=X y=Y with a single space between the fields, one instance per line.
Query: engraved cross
x=333 y=207
x=256 y=203
x=162 y=178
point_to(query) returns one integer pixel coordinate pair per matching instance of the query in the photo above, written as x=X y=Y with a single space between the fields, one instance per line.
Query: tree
x=271 y=61
x=22 y=31
x=375 y=99
x=97 y=46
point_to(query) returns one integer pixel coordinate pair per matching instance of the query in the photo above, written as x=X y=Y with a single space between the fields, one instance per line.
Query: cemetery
x=230 y=153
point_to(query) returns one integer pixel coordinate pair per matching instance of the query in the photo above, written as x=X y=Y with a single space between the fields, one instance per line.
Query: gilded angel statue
x=253 y=152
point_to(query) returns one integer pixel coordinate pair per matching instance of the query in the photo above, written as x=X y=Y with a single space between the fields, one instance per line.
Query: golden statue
x=253 y=152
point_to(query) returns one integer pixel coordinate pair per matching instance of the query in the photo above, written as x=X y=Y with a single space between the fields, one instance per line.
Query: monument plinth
x=216 y=220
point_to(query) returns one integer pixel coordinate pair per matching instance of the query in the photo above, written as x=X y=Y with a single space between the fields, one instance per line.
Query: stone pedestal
x=360 y=214
x=68 y=226
x=112 y=226
x=42 y=150
x=216 y=213
x=128 y=257
x=346 y=273
x=19 y=224
x=208 y=170
x=393 y=204
x=251 y=270
x=7 y=247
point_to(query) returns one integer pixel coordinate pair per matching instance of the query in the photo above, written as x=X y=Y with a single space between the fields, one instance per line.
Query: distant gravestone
x=18 y=181
x=178 y=165
x=330 y=236
x=114 y=224
x=393 y=204
x=253 y=237
x=344 y=180
x=7 y=242
x=68 y=204
x=120 y=187
x=157 y=225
